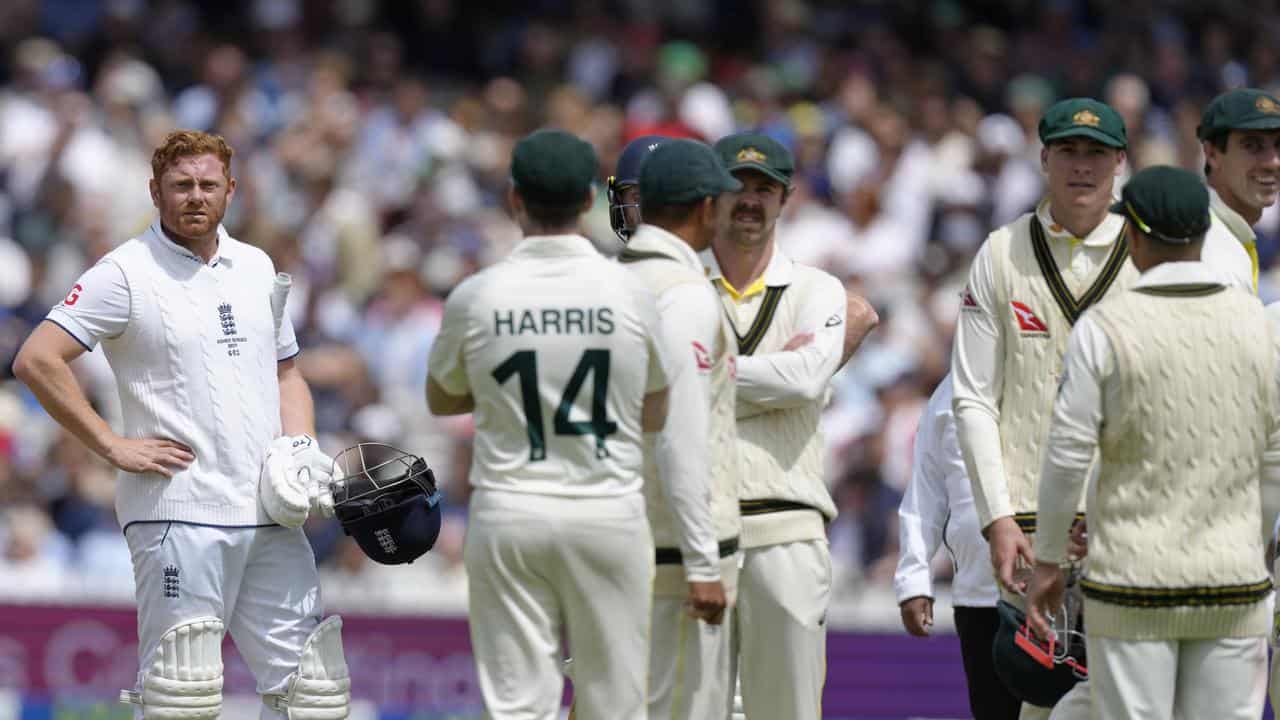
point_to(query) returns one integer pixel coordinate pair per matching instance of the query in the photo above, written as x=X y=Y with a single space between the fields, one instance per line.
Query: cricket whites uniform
x=689 y=659
x=1177 y=596
x=936 y=511
x=194 y=349
x=558 y=346
x=784 y=587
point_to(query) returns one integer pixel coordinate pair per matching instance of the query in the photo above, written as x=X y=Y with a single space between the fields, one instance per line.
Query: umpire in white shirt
x=1173 y=385
x=937 y=509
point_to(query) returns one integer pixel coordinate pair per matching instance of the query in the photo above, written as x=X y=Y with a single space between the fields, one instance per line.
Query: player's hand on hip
x=150 y=455
x=1010 y=553
x=917 y=615
x=707 y=601
x=1044 y=597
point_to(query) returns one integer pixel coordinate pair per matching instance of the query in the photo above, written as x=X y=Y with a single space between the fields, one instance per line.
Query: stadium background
x=372 y=148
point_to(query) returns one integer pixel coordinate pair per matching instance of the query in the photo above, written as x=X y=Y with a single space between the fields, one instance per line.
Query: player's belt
x=673 y=556
x=763 y=507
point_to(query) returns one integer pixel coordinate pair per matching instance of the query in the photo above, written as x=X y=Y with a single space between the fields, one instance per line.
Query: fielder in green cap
x=794 y=327
x=556 y=352
x=1167 y=412
x=1240 y=134
x=695 y=522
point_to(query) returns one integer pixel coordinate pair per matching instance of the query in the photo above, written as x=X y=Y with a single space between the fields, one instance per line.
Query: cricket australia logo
x=387 y=542
x=171 y=577
x=228 y=320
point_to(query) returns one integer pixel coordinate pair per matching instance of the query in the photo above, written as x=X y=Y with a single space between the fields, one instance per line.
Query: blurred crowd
x=372 y=146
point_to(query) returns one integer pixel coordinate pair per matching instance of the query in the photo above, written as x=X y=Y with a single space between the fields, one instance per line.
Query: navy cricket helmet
x=627 y=174
x=387 y=500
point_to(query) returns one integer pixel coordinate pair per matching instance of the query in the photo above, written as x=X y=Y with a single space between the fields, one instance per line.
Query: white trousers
x=689 y=660
x=261 y=582
x=780 y=630
x=1223 y=679
x=539 y=566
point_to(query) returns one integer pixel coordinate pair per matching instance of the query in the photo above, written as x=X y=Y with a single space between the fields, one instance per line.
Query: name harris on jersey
x=558 y=321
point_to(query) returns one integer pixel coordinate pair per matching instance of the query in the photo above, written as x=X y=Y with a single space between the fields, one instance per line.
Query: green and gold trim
x=748 y=343
x=1176 y=597
x=1027 y=521
x=1071 y=307
x=1188 y=290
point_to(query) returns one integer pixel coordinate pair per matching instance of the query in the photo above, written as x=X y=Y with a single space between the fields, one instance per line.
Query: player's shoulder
x=127 y=253
x=815 y=280
x=1004 y=234
x=252 y=257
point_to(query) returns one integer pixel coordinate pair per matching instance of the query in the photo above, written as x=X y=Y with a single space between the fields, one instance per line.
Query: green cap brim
x=1263 y=123
x=763 y=169
x=1087 y=132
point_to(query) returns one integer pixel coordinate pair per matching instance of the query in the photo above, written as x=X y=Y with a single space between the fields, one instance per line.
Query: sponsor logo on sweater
x=1028 y=323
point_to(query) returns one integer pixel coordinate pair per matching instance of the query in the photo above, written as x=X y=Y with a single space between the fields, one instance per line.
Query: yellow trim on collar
x=754 y=288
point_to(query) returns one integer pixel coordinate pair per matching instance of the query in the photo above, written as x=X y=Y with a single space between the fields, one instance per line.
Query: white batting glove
x=315 y=471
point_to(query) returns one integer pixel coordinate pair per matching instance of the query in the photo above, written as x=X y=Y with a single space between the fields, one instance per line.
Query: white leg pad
x=321 y=688
x=184 y=681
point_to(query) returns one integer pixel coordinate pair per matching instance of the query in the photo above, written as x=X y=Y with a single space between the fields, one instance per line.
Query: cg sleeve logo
x=74 y=295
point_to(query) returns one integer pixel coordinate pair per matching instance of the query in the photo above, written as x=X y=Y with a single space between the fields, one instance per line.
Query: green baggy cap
x=1169 y=204
x=553 y=167
x=1083 y=117
x=681 y=171
x=1240 y=109
x=753 y=151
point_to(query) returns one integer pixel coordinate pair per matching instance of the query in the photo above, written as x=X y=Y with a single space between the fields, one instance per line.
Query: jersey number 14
x=594 y=362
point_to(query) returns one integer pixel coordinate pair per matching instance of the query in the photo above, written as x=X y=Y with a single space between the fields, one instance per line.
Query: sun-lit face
x=1081 y=172
x=748 y=217
x=192 y=196
x=1247 y=174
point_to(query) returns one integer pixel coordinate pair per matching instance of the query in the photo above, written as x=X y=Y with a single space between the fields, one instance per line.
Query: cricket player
x=1240 y=134
x=623 y=187
x=1186 y=439
x=556 y=350
x=793 y=331
x=689 y=653
x=218 y=426
x=937 y=510
x=1028 y=284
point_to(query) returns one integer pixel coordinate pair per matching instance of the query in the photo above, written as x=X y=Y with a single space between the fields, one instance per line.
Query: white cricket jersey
x=558 y=346
x=937 y=510
x=1174 y=385
x=783 y=494
x=193 y=347
x=1008 y=310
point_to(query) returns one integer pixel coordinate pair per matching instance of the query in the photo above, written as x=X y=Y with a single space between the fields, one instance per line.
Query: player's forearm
x=912 y=578
x=297 y=408
x=862 y=319
x=54 y=385
x=788 y=379
x=979 y=435
x=1270 y=491
x=684 y=478
x=1061 y=485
